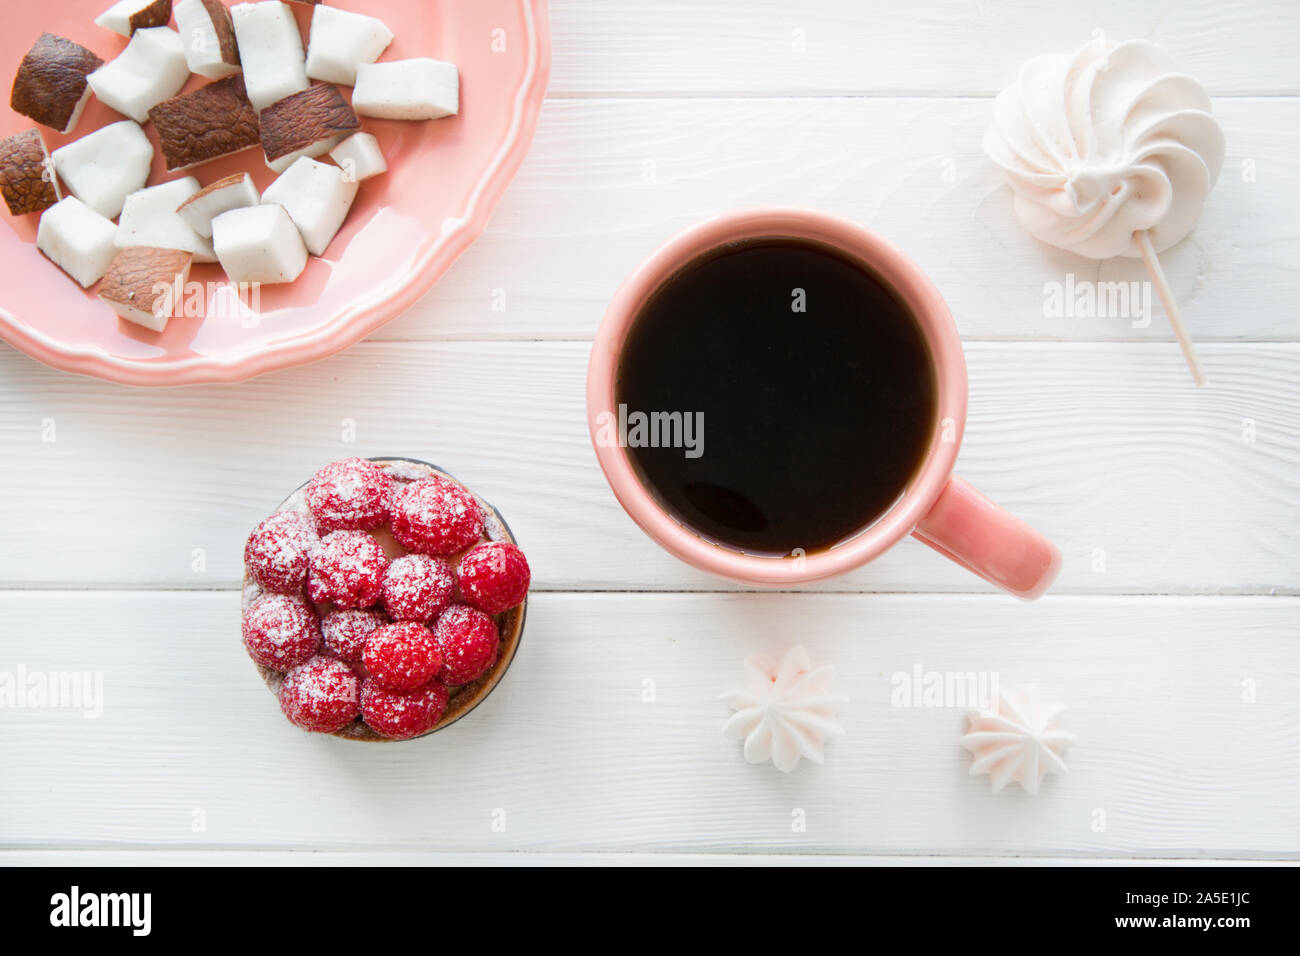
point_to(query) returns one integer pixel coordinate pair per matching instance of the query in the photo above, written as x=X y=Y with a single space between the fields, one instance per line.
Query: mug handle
x=968 y=528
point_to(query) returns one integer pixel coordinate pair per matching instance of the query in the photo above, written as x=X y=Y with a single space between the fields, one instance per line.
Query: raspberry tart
x=383 y=600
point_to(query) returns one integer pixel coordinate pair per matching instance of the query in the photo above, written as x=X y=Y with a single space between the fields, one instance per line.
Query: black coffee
x=789 y=391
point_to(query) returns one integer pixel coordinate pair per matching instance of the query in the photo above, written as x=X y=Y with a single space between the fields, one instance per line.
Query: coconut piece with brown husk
x=209 y=35
x=27 y=178
x=310 y=124
x=127 y=16
x=214 y=121
x=52 y=84
x=233 y=192
x=142 y=283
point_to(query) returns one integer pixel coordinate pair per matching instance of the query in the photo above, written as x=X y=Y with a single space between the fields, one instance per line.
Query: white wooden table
x=1172 y=634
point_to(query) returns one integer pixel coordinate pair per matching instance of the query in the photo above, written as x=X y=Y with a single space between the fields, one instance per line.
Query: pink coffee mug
x=938 y=507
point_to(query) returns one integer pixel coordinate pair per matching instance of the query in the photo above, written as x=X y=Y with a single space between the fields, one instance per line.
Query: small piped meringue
x=1105 y=143
x=786 y=710
x=1022 y=741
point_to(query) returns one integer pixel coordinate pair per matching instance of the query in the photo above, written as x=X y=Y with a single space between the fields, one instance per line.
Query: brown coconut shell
x=305 y=119
x=213 y=121
x=27 y=180
x=51 y=80
x=156 y=14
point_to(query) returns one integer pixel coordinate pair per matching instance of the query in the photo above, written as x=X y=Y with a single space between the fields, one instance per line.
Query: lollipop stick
x=1166 y=294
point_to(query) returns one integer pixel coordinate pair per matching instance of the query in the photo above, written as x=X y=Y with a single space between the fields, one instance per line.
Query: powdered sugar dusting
x=349 y=495
x=277 y=551
x=418 y=588
x=348 y=569
x=436 y=516
x=322 y=695
x=400 y=716
x=345 y=631
x=281 y=631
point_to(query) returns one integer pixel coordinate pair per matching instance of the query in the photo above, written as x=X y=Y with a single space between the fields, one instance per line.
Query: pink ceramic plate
x=445 y=178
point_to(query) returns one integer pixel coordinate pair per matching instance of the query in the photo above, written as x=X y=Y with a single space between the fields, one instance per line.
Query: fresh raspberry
x=436 y=516
x=493 y=577
x=281 y=631
x=418 y=588
x=277 y=551
x=345 y=632
x=401 y=657
x=348 y=569
x=350 y=495
x=322 y=695
x=403 y=716
x=468 y=641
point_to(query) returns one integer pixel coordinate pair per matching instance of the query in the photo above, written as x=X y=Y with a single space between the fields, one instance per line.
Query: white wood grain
x=1146 y=483
x=866 y=47
x=1168 y=750
x=335 y=858
x=607 y=181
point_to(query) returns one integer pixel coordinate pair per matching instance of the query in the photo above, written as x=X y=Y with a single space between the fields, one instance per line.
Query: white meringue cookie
x=1022 y=741
x=1104 y=143
x=786 y=710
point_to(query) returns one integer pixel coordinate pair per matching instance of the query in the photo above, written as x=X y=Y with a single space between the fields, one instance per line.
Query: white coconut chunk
x=270 y=47
x=259 y=244
x=118 y=17
x=78 y=240
x=105 y=167
x=311 y=152
x=360 y=157
x=233 y=192
x=318 y=197
x=149 y=218
x=151 y=69
x=419 y=89
x=202 y=37
x=341 y=41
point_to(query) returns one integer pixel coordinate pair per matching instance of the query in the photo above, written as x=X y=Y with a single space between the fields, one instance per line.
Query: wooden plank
x=1147 y=484
x=868 y=47
x=1177 y=753
x=609 y=180
x=349 y=858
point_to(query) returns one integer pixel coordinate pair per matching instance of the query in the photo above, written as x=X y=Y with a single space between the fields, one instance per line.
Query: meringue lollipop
x=1110 y=152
